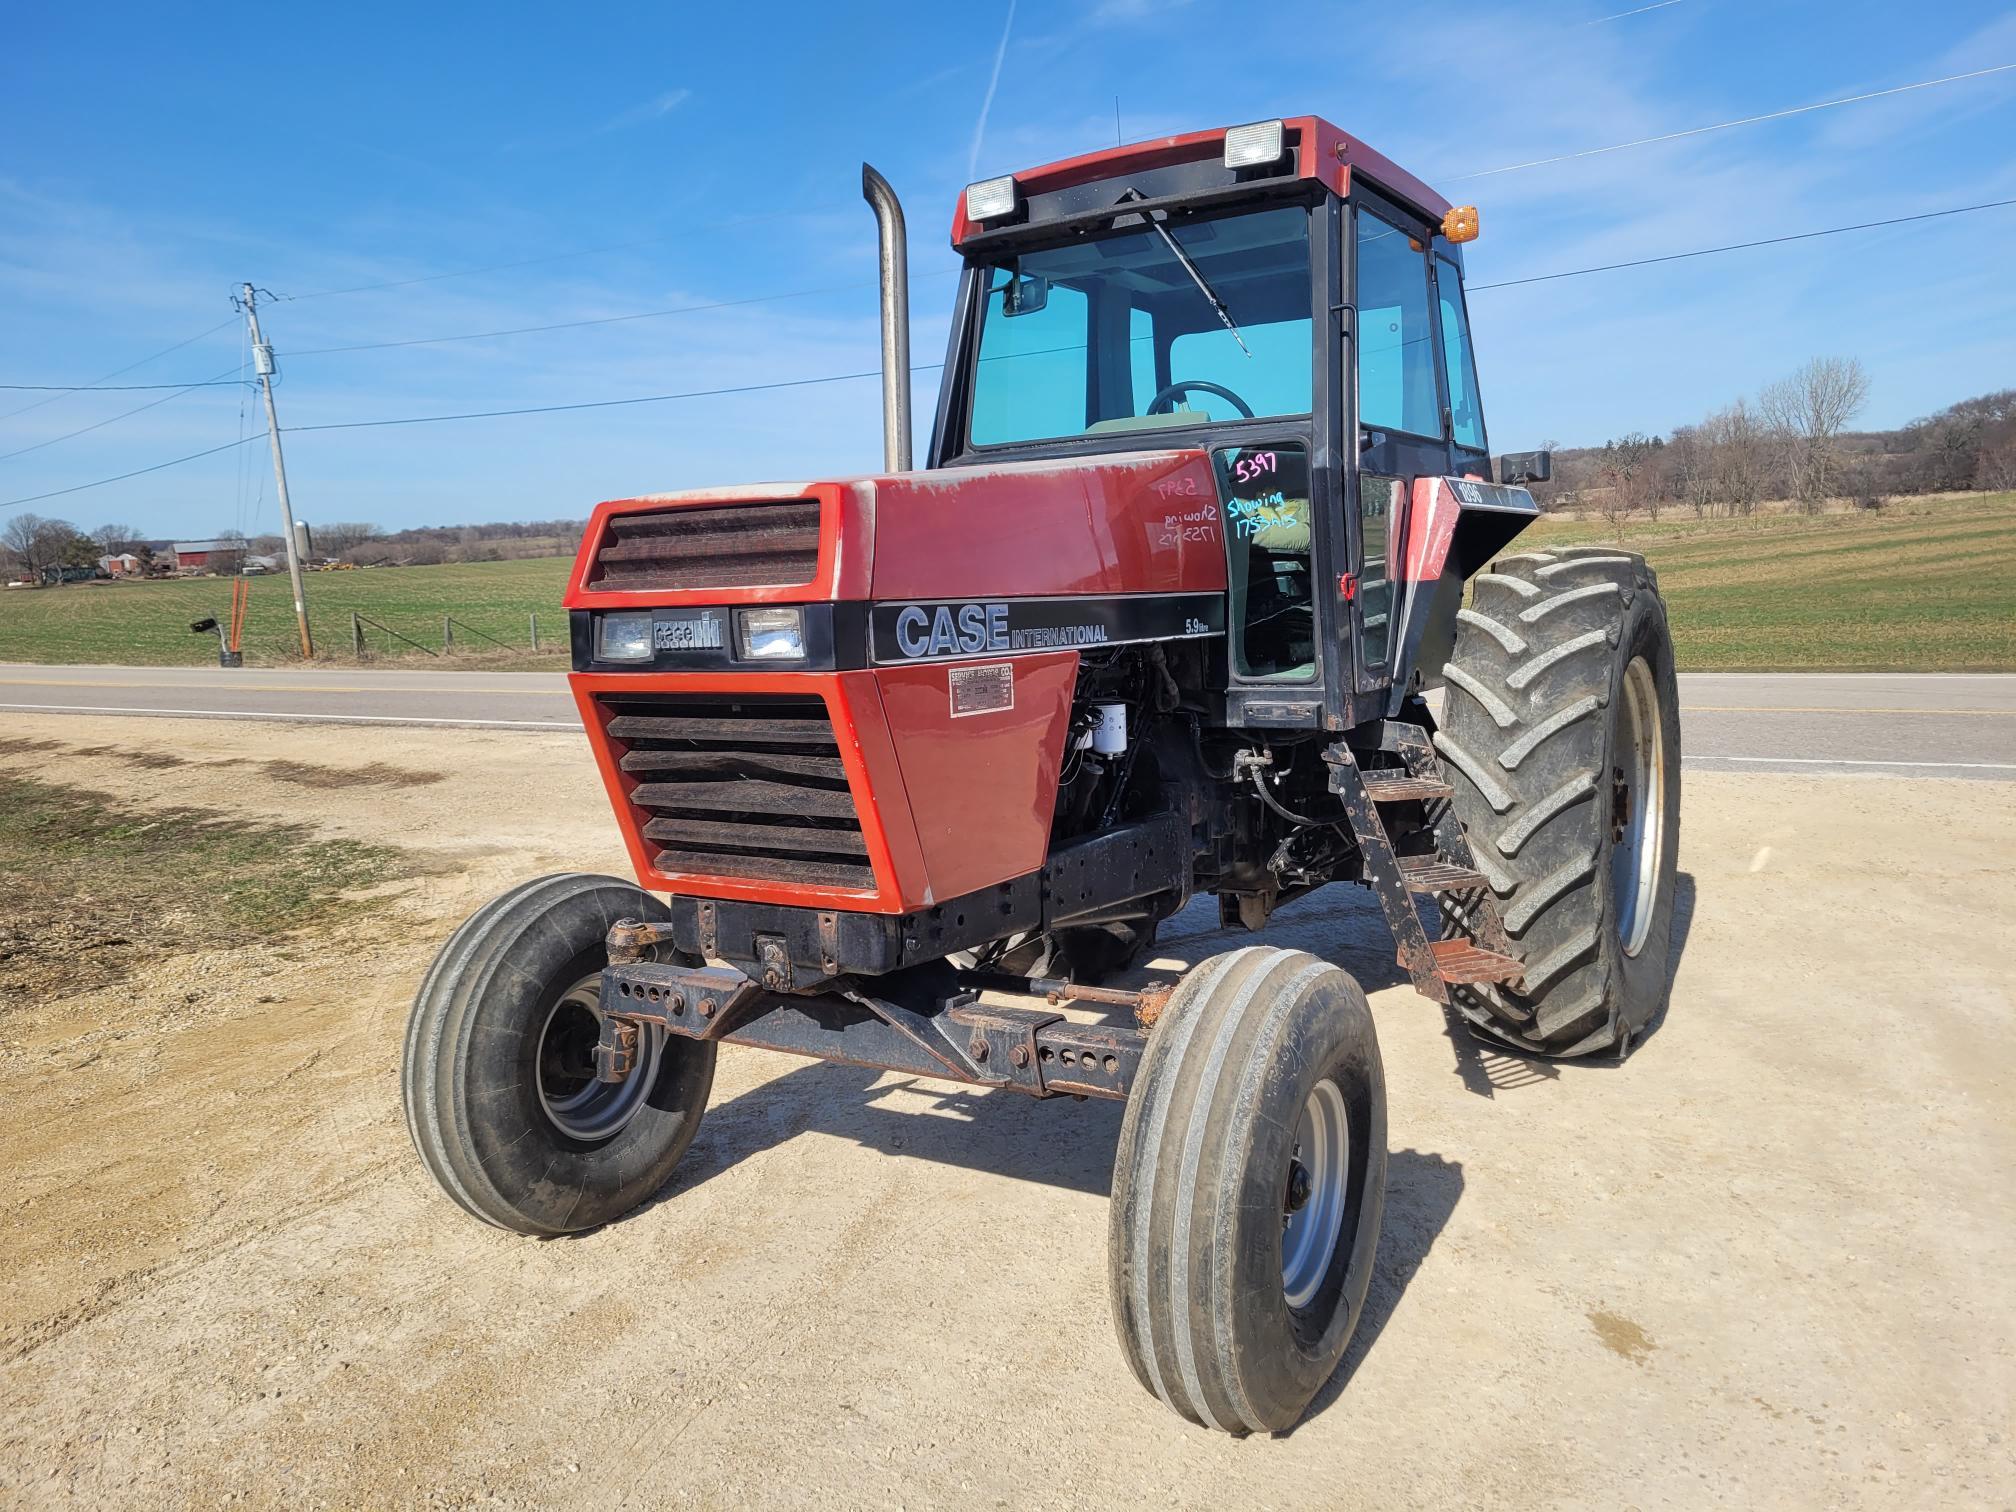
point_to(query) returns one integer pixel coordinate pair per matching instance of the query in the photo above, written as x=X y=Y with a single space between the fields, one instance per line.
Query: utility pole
x=262 y=360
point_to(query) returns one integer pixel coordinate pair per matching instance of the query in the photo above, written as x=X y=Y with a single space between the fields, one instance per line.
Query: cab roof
x=1315 y=150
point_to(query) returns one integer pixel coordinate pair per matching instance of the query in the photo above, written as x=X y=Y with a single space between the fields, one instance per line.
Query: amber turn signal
x=1460 y=224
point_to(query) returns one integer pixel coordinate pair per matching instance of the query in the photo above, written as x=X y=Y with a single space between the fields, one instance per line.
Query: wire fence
x=372 y=639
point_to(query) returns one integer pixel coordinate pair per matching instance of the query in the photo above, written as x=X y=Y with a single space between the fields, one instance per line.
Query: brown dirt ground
x=1764 y=1263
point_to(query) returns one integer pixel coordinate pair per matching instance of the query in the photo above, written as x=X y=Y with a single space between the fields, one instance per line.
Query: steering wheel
x=1164 y=403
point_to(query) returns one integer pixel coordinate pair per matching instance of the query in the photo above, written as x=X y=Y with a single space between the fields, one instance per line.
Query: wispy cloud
x=649 y=111
x=1620 y=15
x=987 y=100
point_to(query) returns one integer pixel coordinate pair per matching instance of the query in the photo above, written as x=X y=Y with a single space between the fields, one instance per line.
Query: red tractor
x=911 y=766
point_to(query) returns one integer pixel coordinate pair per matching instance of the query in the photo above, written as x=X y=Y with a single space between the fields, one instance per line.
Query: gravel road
x=1764 y=1263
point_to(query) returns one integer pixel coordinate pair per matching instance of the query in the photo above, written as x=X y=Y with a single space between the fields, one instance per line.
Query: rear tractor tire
x=1561 y=734
x=1247 y=1189
x=498 y=1074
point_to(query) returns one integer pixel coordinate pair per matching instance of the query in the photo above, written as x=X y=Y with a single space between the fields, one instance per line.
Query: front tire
x=498 y=1078
x=1562 y=731
x=1247 y=1189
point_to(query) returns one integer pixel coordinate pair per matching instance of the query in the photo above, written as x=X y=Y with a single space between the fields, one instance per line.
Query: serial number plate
x=982 y=690
x=702 y=631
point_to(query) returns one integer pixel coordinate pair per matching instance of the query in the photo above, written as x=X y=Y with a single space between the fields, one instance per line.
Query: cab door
x=1400 y=404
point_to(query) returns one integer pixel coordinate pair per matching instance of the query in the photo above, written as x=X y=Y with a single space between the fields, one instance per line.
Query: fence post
x=356 y=635
x=447 y=632
x=535 y=629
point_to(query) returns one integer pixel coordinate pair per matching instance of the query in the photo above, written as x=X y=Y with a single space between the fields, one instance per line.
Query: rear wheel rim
x=1637 y=807
x=1312 y=1208
x=575 y=1103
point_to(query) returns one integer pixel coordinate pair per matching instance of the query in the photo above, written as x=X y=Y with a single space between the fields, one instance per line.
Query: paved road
x=1955 y=725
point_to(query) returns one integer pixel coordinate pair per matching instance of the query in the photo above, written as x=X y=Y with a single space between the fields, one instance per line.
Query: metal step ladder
x=1479 y=950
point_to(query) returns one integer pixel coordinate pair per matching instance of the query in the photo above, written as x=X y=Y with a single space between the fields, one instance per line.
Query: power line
x=602 y=320
x=123 y=415
x=752 y=388
x=57 y=493
x=1769 y=241
x=725 y=304
x=568 y=325
x=1774 y=115
x=548 y=409
x=116 y=372
x=115 y=388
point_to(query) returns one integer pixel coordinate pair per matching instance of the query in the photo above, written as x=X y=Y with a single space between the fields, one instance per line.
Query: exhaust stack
x=895 y=272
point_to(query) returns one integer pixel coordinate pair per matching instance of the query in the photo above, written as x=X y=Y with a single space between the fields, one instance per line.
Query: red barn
x=194 y=556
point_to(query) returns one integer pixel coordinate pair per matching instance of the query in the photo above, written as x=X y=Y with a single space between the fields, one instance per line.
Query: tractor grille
x=724 y=546
x=746 y=786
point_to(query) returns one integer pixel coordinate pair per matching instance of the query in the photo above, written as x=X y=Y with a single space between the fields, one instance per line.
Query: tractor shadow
x=1053 y=1141
x=1422 y=1190
x=1345 y=927
x=1487 y=1068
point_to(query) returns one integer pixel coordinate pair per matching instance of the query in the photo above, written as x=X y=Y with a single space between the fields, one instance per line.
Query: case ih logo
x=949 y=630
x=940 y=631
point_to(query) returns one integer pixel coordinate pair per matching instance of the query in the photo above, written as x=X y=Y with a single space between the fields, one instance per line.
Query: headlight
x=1254 y=146
x=990 y=199
x=624 y=637
x=770 y=634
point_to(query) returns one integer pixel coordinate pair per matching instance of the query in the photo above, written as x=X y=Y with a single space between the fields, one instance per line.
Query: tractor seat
x=1177 y=416
x=1282 y=528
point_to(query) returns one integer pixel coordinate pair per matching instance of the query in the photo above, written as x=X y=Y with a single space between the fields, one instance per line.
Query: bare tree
x=1738 y=457
x=40 y=545
x=340 y=537
x=1621 y=468
x=1690 y=462
x=22 y=541
x=1810 y=409
x=1997 y=467
x=113 y=539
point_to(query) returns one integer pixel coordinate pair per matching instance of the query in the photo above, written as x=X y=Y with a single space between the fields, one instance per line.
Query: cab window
x=1268 y=520
x=1270 y=372
x=1033 y=364
x=1466 y=420
x=1396 y=353
x=1132 y=331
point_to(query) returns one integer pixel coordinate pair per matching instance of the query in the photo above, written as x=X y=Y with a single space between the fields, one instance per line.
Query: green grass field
x=1921 y=586
x=1925 y=585
x=147 y=624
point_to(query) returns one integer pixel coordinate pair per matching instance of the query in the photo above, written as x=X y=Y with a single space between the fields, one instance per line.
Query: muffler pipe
x=895 y=273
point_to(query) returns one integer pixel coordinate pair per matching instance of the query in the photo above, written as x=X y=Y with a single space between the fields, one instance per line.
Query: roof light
x=990 y=199
x=1255 y=146
x=1460 y=224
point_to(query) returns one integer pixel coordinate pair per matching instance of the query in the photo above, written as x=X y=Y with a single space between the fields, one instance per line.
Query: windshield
x=1118 y=334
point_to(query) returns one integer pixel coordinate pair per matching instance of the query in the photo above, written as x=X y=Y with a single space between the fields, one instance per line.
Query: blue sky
x=152 y=157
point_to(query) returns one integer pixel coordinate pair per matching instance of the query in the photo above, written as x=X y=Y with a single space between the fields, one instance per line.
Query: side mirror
x=1025 y=295
x=1524 y=467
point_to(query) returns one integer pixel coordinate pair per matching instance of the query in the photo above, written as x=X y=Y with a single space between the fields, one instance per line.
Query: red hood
x=1142 y=522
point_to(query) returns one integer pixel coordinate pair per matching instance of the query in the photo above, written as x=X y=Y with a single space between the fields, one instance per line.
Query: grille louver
x=747 y=786
x=725 y=546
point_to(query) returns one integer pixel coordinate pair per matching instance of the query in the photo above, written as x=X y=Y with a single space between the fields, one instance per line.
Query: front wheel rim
x=1312 y=1208
x=1637 y=807
x=574 y=1101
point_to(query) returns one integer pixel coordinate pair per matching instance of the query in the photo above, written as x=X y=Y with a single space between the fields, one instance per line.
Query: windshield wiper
x=1217 y=305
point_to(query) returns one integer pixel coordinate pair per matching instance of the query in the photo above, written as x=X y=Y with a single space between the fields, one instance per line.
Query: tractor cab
x=1277 y=295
